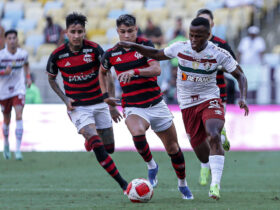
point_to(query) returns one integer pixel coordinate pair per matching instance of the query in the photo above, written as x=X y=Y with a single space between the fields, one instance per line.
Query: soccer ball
x=139 y=191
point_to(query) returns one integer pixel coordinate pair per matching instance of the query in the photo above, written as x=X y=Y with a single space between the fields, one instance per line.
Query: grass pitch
x=74 y=180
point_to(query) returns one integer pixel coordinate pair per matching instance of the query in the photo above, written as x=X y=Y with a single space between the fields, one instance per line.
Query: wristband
x=136 y=72
x=105 y=95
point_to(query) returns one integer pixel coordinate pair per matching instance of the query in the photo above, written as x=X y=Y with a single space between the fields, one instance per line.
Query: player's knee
x=214 y=136
x=110 y=148
x=172 y=148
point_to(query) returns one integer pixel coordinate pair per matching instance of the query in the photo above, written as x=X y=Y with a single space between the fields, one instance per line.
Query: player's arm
x=242 y=83
x=151 y=71
x=6 y=71
x=147 y=51
x=27 y=74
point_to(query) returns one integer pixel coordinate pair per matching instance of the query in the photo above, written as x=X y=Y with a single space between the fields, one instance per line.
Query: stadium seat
x=26 y=24
x=115 y=13
x=30 y=12
x=34 y=40
x=131 y=6
x=220 y=31
x=7 y=23
x=13 y=11
x=154 y=4
x=44 y=50
x=52 y=5
x=96 y=32
x=1 y=8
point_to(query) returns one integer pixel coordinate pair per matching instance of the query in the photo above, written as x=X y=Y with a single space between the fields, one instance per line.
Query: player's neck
x=12 y=50
x=210 y=36
x=74 y=49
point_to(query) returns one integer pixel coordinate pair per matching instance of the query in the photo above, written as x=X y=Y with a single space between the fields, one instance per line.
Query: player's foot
x=6 y=152
x=214 y=192
x=226 y=143
x=186 y=193
x=125 y=189
x=204 y=176
x=18 y=155
x=152 y=176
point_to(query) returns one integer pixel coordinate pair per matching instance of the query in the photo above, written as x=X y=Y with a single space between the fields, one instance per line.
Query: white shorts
x=97 y=114
x=158 y=116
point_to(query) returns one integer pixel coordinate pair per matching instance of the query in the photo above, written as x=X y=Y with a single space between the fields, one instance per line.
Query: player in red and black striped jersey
x=142 y=101
x=79 y=62
x=220 y=78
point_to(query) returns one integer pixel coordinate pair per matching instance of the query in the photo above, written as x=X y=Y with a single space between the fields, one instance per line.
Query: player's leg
x=213 y=129
x=6 y=107
x=170 y=142
x=19 y=130
x=224 y=138
x=107 y=137
x=93 y=142
x=137 y=127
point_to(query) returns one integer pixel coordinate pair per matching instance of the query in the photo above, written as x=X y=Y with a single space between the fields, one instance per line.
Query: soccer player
x=198 y=94
x=14 y=73
x=206 y=13
x=142 y=101
x=79 y=61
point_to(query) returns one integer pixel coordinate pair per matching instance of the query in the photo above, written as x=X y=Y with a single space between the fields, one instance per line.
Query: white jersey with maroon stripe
x=14 y=83
x=196 y=75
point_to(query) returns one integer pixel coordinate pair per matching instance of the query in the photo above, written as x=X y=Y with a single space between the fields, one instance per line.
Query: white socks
x=223 y=138
x=19 y=132
x=5 y=129
x=182 y=182
x=151 y=164
x=217 y=166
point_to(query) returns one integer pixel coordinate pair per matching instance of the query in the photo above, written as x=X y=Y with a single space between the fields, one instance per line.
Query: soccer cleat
x=186 y=193
x=6 y=152
x=152 y=176
x=214 y=192
x=18 y=155
x=226 y=143
x=204 y=176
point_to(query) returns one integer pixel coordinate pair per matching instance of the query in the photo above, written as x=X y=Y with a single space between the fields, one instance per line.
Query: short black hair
x=127 y=20
x=200 y=21
x=205 y=11
x=75 y=18
x=11 y=31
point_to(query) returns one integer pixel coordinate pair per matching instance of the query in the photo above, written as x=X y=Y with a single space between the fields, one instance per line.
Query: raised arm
x=242 y=83
x=145 y=50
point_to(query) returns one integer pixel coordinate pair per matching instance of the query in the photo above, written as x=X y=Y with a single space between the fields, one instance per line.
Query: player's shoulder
x=142 y=40
x=88 y=43
x=218 y=40
x=219 y=51
x=59 y=50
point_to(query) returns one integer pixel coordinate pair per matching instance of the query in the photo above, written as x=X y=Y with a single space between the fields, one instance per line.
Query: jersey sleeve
x=105 y=61
x=171 y=51
x=25 y=57
x=226 y=60
x=52 y=68
x=228 y=48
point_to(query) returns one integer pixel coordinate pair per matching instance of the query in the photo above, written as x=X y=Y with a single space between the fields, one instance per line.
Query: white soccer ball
x=139 y=190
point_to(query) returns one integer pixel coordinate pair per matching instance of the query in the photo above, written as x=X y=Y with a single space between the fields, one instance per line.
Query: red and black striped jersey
x=79 y=72
x=220 y=74
x=140 y=91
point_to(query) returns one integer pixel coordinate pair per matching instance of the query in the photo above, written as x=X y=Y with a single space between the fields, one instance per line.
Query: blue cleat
x=186 y=193
x=152 y=176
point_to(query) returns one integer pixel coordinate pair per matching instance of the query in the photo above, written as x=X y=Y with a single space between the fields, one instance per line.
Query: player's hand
x=115 y=114
x=112 y=101
x=125 y=44
x=243 y=105
x=69 y=105
x=125 y=77
x=28 y=82
x=8 y=70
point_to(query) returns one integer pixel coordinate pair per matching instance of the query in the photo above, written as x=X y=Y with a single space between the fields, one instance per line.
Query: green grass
x=68 y=180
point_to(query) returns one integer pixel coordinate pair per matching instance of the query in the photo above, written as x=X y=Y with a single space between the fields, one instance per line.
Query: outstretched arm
x=145 y=50
x=242 y=82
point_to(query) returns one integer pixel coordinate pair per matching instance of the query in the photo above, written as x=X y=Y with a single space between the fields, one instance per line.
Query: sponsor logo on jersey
x=207 y=65
x=87 y=58
x=195 y=65
x=191 y=78
x=67 y=63
x=138 y=55
x=218 y=112
x=214 y=104
x=116 y=53
x=63 y=55
x=118 y=59
x=81 y=77
x=87 y=50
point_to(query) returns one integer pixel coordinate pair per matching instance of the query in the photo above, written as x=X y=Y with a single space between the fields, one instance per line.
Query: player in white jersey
x=198 y=93
x=14 y=73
